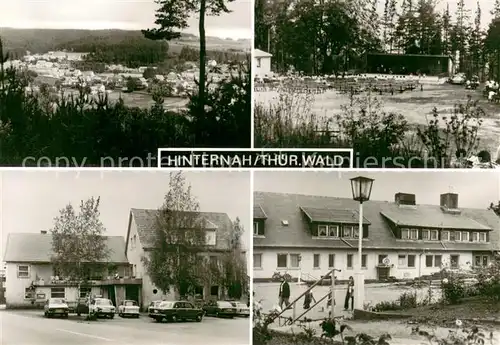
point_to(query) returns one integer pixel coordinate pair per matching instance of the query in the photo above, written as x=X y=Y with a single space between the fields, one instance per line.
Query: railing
x=292 y=304
x=307 y=277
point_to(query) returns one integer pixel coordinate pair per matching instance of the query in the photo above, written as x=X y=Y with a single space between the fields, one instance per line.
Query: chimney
x=43 y=232
x=405 y=199
x=449 y=202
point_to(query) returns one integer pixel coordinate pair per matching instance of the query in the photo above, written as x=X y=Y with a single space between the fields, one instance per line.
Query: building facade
x=262 y=63
x=218 y=229
x=31 y=278
x=306 y=236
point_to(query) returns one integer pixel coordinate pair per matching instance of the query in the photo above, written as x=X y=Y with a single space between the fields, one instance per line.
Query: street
x=31 y=328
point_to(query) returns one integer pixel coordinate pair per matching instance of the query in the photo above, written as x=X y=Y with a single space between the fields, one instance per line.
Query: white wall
x=269 y=263
x=265 y=66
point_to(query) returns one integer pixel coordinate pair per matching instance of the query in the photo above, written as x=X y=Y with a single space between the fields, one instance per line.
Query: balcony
x=105 y=281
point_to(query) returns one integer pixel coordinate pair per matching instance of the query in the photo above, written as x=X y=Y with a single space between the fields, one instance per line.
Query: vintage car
x=102 y=307
x=128 y=308
x=458 y=79
x=219 y=309
x=152 y=306
x=176 y=311
x=241 y=308
x=55 y=307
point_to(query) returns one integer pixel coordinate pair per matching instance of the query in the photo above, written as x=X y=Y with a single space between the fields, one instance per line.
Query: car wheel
x=158 y=319
x=79 y=314
x=217 y=314
x=174 y=318
x=137 y=316
x=112 y=316
x=65 y=316
x=199 y=318
x=45 y=314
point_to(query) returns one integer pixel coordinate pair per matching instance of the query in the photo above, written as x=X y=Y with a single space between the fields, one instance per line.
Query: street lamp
x=361 y=190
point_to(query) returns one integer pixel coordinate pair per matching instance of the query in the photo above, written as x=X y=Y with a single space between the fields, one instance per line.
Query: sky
x=476 y=189
x=30 y=200
x=115 y=14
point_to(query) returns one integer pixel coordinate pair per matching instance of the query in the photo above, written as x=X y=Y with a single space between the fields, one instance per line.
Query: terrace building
x=307 y=236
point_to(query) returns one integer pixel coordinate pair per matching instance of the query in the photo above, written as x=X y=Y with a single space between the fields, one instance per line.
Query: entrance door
x=111 y=294
x=214 y=291
x=132 y=293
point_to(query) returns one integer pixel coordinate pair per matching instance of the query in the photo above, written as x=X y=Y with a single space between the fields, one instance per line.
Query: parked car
x=102 y=307
x=152 y=306
x=458 y=79
x=128 y=308
x=55 y=307
x=176 y=310
x=219 y=309
x=241 y=308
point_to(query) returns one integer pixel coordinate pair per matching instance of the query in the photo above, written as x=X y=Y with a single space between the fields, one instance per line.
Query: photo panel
x=109 y=83
x=402 y=247
x=119 y=255
x=406 y=84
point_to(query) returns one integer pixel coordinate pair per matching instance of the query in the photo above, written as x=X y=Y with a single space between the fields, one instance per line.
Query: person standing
x=349 y=294
x=284 y=293
x=308 y=298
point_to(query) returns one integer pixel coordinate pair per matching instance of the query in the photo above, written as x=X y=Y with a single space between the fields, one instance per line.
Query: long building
x=306 y=236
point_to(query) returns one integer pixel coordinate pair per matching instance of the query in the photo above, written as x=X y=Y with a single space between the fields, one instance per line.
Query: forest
x=322 y=37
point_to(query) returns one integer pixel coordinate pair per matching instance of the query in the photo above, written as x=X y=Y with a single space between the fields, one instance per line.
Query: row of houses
x=30 y=276
x=306 y=236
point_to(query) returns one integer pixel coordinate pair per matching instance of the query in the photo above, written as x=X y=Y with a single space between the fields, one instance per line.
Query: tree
x=172 y=16
x=132 y=84
x=149 y=73
x=78 y=242
x=179 y=241
x=234 y=277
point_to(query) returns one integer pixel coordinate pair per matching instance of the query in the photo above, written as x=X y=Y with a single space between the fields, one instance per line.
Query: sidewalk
x=400 y=331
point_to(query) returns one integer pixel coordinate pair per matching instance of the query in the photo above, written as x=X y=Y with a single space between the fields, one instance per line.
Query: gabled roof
x=260 y=53
x=258 y=212
x=37 y=248
x=145 y=220
x=278 y=206
x=328 y=215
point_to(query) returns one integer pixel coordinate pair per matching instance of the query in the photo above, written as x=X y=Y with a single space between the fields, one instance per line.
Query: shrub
x=489 y=280
x=459 y=336
x=453 y=289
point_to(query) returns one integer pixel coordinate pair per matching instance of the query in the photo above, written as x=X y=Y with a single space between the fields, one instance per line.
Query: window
x=331 y=260
x=255 y=228
x=259 y=62
x=210 y=238
x=355 y=231
x=454 y=261
x=411 y=260
x=23 y=271
x=84 y=292
x=294 y=260
x=434 y=235
x=405 y=234
x=381 y=258
x=57 y=292
x=414 y=234
x=429 y=259
x=456 y=236
x=481 y=260
x=465 y=236
x=364 y=260
x=402 y=260
x=437 y=260
x=257 y=260
x=328 y=231
x=485 y=260
x=475 y=237
x=282 y=260
x=445 y=235
x=426 y=235
x=347 y=231
x=349 y=260
x=477 y=261
x=482 y=237
x=316 y=261
x=29 y=293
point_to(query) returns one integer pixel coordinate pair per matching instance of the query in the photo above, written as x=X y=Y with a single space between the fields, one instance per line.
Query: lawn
x=415 y=105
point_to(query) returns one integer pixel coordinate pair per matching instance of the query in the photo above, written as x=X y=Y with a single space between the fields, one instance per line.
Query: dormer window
x=482 y=237
x=258 y=228
x=434 y=235
x=465 y=236
x=210 y=238
x=445 y=235
x=328 y=231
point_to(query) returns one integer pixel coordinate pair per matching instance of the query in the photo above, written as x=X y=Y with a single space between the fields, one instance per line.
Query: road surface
x=31 y=328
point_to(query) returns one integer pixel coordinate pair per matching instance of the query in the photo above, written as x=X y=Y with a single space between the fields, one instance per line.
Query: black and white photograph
x=81 y=81
x=405 y=83
x=120 y=257
x=365 y=257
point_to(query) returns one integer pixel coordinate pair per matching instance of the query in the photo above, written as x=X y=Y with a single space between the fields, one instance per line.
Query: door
x=179 y=310
x=189 y=310
x=132 y=293
x=111 y=294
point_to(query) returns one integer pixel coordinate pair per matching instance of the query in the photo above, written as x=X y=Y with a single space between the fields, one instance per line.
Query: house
x=432 y=65
x=262 y=63
x=140 y=240
x=31 y=277
x=307 y=236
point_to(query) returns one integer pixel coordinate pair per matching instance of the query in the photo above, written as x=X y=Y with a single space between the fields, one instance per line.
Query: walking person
x=284 y=293
x=349 y=294
x=308 y=298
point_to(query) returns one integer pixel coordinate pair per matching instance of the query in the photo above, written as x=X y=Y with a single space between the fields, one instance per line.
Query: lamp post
x=361 y=190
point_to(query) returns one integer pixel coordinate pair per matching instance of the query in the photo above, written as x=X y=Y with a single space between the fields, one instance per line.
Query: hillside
x=44 y=40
